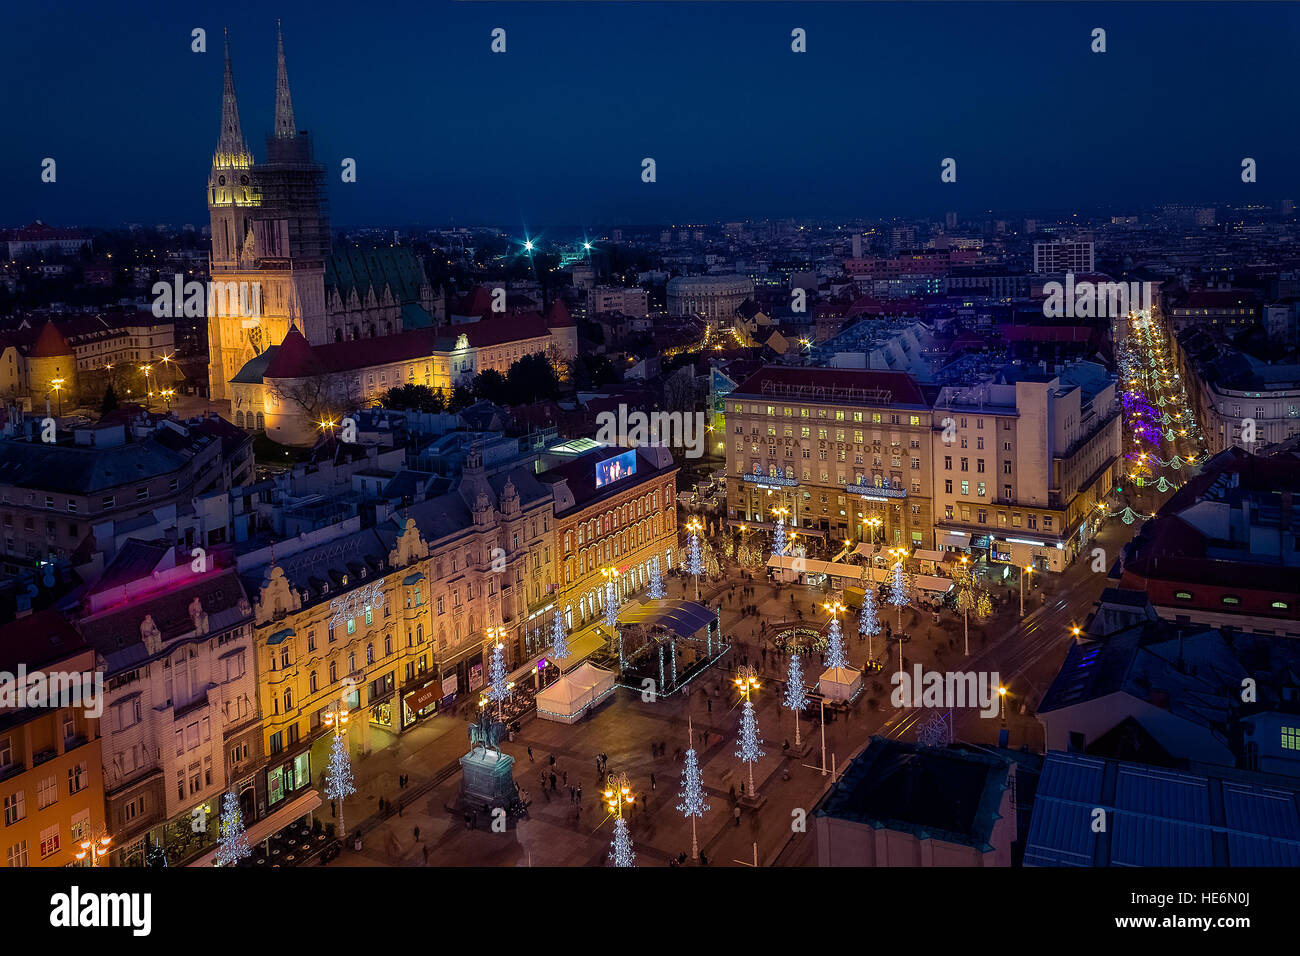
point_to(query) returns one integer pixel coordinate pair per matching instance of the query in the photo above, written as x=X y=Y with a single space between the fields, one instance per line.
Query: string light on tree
x=657 y=591
x=835 y=657
x=692 y=793
x=559 y=640
x=778 y=533
x=617 y=793
x=796 y=694
x=232 y=843
x=338 y=772
x=898 y=589
x=749 y=742
x=694 y=561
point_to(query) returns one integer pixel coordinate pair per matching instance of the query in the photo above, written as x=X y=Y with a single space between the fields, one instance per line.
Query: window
x=47 y=792
x=1291 y=738
x=1281 y=605
x=49 y=841
x=965 y=487
x=15 y=808
x=1231 y=599
x=1183 y=595
x=16 y=855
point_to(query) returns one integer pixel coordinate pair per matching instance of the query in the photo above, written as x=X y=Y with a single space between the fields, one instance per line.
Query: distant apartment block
x=1066 y=255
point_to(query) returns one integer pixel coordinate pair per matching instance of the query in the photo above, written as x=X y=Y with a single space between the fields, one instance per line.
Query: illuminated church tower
x=270 y=234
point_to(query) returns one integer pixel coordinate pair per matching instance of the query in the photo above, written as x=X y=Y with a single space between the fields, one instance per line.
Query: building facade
x=51 y=784
x=838 y=449
x=1021 y=466
x=606 y=520
x=181 y=716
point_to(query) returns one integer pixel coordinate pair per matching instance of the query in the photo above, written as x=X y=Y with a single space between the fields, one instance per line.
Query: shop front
x=421 y=701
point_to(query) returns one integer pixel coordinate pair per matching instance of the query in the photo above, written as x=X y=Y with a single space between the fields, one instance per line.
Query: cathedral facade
x=270 y=232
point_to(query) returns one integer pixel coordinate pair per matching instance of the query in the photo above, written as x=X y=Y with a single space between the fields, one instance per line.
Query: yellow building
x=51 y=786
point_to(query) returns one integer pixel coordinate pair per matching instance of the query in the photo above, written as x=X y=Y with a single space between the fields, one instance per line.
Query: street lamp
x=1002 y=695
x=148 y=394
x=57 y=385
x=874 y=524
x=337 y=720
x=1028 y=569
x=94 y=849
x=618 y=791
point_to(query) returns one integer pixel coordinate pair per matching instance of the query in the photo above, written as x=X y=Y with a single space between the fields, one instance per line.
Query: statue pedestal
x=488 y=778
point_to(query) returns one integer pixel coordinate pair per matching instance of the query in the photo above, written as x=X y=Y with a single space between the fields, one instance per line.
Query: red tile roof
x=50 y=343
x=557 y=315
x=295 y=358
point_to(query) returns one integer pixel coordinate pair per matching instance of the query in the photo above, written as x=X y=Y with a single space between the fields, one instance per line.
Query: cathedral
x=270 y=233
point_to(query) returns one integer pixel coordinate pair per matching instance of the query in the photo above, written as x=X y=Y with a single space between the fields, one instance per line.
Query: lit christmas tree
x=868 y=616
x=796 y=694
x=692 y=794
x=155 y=857
x=622 y=854
x=749 y=741
x=338 y=777
x=778 y=535
x=611 y=606
x=835 y=656
x=498 y=686
x=694 y=559
x=898 y=592
x=559 y=638
x=657 y=592
x=232 y=843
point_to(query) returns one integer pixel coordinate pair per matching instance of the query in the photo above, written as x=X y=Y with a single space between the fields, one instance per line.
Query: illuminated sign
x=879 y=493
x=615 y=469
x=771 y=481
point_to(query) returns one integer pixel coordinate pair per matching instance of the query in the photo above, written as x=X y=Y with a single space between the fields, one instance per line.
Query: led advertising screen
x=612 y=469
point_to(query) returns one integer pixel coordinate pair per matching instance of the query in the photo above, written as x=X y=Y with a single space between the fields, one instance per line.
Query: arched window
x=239 y=419
x=338 y=335
x=261 y=422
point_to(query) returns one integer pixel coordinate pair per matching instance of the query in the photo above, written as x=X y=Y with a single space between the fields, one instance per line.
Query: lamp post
x=337 y=720
x=1002 y=695
x=874 y=524
x=1028 y=569
x=57 y=385
x=147 y=392
x=93 y=849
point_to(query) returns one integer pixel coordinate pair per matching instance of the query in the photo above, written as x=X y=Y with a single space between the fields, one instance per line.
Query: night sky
x=555 y=129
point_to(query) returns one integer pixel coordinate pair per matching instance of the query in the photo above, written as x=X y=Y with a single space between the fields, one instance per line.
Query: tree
x=778 y=537
x=338 y=776
x=692 y=795
x=532 y=379
x=796 y=694
x=498 y=685
x=461 y=397
x=491 y=385
x=559 y=639
x=835 y=657
x=110 y=401
x=749 y=742
x=657 y=592
x=415 y=398
x=898 y=592
x=155 y=858
x=232 y=843
x=622 y=854
x=868 y=616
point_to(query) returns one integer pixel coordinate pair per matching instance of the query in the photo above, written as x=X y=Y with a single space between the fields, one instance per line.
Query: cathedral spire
x=231 y=143
x=284 y=125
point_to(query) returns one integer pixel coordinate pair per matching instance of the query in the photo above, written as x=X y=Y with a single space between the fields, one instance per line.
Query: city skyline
x=740 y=127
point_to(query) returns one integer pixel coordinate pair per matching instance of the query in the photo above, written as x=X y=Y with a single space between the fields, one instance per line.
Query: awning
x=922 y=554
x=269 y=826
x=417 y=700
x=683 y=618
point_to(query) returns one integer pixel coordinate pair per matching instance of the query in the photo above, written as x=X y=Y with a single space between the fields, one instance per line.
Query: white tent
x=575 y=693
x=841 y=683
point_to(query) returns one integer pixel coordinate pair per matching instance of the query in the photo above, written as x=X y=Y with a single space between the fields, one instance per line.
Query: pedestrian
x=709 y=701
x=416 y=831
x=564 y=777
x=570 y=794
x=736 y=813
x=598 y=766
x=580 y=792
x=652 y=781
x=732 y=793
x=552 y=783
x=425 y=848
x=530 y=755
x=552 y=758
